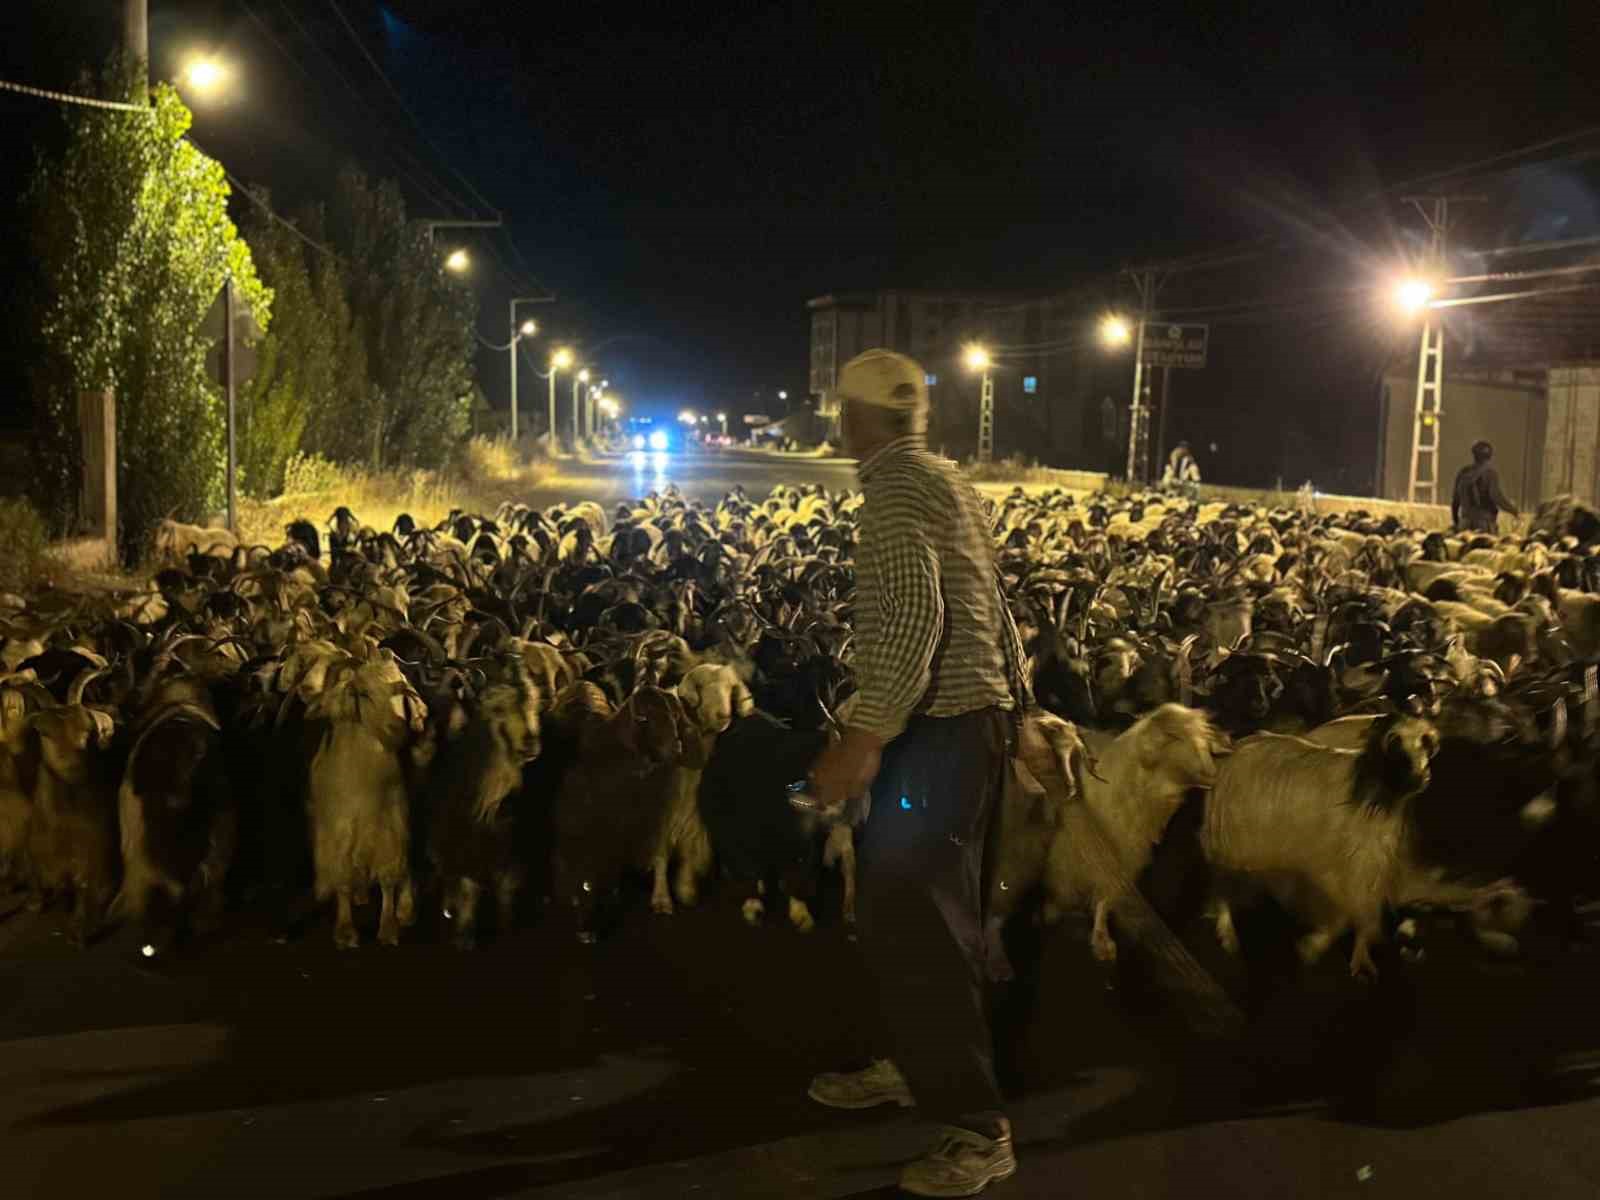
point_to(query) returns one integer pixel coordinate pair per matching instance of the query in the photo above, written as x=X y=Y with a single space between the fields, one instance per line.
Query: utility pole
x=136 y=41
x=228 y=378
x=1429 y=408
x=1139 y=410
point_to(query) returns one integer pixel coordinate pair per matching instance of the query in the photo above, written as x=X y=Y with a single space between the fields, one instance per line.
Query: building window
x=1030 y=384
x=932 y=379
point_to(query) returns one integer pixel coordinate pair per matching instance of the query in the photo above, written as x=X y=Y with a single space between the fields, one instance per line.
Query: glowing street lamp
x=687 y=417
x=1115 y=331
x=578 y=380
x=560 y=360
x=976 y=357
x=722 y=418
x=205 y=76
x=1413 y=295
x=457 y=261
x=527 y=329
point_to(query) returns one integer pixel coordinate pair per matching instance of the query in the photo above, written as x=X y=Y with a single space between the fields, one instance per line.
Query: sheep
x=1144 y=775
x=173 y=539
x=357 y=795
x=72 y=839
x=471 y=838
x=1324 y=829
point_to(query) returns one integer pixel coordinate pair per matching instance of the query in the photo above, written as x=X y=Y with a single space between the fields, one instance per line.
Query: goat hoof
x=1104 y=949
x=754 y=909
x=662 y=905
x=346 y=939
x=800 y=917
x=586 y=937
x=687 y=896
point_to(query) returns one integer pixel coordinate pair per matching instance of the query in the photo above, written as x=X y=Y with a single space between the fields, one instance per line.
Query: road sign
x=1175 y=345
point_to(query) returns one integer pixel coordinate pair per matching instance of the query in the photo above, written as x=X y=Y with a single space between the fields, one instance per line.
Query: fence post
x=97 y=417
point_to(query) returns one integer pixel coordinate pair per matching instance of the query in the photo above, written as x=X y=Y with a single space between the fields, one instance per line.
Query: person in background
x=1182 y=472
x=1477 y=502
x=941 y=690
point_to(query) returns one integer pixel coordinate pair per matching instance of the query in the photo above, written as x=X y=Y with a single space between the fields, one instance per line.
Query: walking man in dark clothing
x=1478 y=501
x=939 y=668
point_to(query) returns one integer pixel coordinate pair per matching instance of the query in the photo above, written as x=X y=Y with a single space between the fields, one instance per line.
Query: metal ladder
x=1425 y=429
x=986 y=420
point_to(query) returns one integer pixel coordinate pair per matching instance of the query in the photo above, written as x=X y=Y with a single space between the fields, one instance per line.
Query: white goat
x=1143 y=776
x=360 y=812
x=174 y=539
x=1322 y=829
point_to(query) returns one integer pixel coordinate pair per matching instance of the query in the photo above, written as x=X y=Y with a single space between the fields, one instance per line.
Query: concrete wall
x=1508 y=413
x=1571 y=442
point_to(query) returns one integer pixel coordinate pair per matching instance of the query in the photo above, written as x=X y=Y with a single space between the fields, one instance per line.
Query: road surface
x=699 y=475
x=672 y=1061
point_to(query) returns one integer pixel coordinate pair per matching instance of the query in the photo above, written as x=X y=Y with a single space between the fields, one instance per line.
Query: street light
x=686 y=417
x=578 y=380
x=559 y=361
x=977 y=358
x=783 y=395
x=722 y=418
x=457 y=261
x=1412 y=295
x=205 y=76
x=525 y=330
x=1115 y=331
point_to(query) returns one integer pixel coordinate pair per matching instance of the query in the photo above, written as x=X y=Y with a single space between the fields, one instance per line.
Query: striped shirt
x=933 y=634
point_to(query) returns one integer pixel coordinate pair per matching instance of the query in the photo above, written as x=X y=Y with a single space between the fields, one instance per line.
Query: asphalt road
x=701 y=475
x=671 y=1060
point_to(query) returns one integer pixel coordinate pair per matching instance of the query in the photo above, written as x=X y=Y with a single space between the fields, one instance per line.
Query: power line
x=431 y=190
x=249 y=194
x=23 y=89
x=400 y=100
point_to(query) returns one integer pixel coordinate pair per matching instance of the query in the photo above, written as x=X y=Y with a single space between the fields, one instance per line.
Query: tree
x=310 y=390
x=131 y=232
x=417 y=324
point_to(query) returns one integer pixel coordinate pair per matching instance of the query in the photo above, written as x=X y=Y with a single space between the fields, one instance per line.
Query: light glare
x=458 y=261
x=583 y=375
x=1412 y=295
x=1114 y=331
x=561 y=359
x=658 y=440
x=205 y=75
x=529 y=328
x=976 y=358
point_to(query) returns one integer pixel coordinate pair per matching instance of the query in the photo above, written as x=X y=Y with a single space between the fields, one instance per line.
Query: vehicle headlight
x=658 y=441
x=638 y=441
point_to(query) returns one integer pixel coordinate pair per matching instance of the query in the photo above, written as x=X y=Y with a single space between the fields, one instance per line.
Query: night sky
x=685 y=177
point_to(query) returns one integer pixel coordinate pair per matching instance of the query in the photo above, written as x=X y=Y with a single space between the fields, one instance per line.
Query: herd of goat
x=1380 y=728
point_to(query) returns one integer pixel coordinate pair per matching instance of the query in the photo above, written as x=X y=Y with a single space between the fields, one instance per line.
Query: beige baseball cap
x=884 y=379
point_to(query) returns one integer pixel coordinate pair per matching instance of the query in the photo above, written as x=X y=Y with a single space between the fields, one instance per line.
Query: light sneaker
x=881 y=1083
x=962 y=1164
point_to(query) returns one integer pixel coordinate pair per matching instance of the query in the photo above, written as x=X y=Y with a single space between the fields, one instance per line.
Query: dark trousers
x=920 y=906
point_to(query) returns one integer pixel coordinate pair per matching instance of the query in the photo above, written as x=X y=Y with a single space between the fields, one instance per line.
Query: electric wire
x=39 y=93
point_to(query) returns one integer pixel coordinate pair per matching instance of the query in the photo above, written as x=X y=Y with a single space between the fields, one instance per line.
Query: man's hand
x=845 y=769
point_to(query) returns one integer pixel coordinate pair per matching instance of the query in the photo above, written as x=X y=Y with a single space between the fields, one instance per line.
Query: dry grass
x=487 y=472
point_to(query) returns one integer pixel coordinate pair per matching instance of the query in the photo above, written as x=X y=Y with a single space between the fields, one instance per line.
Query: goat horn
x=84 y=679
